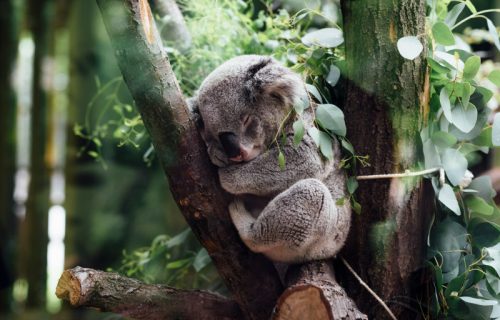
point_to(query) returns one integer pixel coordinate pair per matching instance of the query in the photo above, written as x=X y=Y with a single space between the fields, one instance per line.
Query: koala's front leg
x=302 y=223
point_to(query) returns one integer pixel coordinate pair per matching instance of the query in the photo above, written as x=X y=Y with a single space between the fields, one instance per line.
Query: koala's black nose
x=230 y=143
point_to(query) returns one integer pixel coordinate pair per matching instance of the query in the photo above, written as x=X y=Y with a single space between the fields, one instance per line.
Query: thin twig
x=398 y=175
x=369 y=289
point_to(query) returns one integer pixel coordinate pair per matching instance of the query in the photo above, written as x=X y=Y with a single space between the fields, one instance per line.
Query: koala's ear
x=195 y=111
x=267 y=79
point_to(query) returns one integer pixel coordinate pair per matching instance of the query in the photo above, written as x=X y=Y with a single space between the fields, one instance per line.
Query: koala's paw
x=242 y=219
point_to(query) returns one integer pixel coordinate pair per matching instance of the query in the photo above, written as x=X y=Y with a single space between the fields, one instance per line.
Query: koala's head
x=242 y=104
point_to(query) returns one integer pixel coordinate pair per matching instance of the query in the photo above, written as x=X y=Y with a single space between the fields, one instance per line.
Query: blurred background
x=79 y=182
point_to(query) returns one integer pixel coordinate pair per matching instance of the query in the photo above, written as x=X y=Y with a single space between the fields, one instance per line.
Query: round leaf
x=443 y=139
x=478 y=205
x=464 y=118
x=485 y=234
x=327 y=38
x=455 y=165
x=332 y=118
x=444 y=99
x=449 y=238
x=325 y=145
x=442 y=34
x=409 y=47
x=479 y=302
x=495 y=132
x=333 y=76
x=447 y=197
x=494 y=77
x=471 y=67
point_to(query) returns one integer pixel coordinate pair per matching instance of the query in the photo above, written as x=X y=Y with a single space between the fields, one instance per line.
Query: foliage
x=174 y=261
x=465 y=236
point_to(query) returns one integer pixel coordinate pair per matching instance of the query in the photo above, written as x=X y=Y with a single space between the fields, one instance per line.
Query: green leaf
x=178 y=264
x=178 y=239
x=409 y=47
x=485 y=234
x=477 y=301
x=333 y=76
x=449 y=238
x=281 y=160
x=201 y=260
x=314 y=91
x=356 y=206
x=331 y=118
x=455 y=165
x=471 y=67
x=453 y=14
x=352 y=184
x=478 y=205
x=93 y=154
x=442 y=34
x=493 y=258
x=436 y=66
x=347 y=146
x=485 y=138
x=314 y=134
x=325 y=145
x=444 y=99
x=495 y=132
x=484 y=187
x=494 y=34
x=298 y=132
x=447 y=197
x=327 y=38
x=431 y=156
x=494 y=77
x=486 y=93
x=443 y=139
x=301 y=104
x=464 y=118
x=471 y=7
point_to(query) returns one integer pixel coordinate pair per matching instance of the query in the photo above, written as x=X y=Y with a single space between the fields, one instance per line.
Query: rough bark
x=131 y=298
x=34 y=236
x=9 y=33
x=174 y=29
x=385 y=108
x=313 y=293
x=251 y=278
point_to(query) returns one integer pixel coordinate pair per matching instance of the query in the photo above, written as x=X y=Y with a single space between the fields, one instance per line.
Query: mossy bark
x=385 y=107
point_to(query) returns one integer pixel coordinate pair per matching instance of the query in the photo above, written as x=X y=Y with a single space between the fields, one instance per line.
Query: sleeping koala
x=288 y=215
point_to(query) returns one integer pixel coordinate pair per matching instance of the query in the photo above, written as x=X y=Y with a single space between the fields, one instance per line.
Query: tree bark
x=313 y=293
x=174 y=27
x=131 y=298
x=251 y=278
x=9 y=33
x=34 y=237
x=385 y=108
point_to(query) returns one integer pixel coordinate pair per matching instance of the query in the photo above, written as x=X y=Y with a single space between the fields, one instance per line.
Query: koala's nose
x=230 y=143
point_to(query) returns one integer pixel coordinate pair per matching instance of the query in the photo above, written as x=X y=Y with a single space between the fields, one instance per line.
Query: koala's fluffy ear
x=195 y=111
x=267 y=79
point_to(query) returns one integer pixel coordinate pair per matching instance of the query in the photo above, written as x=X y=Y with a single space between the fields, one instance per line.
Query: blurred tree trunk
x=9 y=33
x=385 y=110
x=34 y=237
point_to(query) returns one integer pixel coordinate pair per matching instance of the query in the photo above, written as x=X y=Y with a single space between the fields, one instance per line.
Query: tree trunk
x=250 y=277
x=385 y=108
x=9 y=33
x=174 y=29
x=34 y=236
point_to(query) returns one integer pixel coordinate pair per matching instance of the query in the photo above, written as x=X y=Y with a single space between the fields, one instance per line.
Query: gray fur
x=299 y=219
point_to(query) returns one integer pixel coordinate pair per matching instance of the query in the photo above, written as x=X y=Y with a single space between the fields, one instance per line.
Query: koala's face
x=242 y=104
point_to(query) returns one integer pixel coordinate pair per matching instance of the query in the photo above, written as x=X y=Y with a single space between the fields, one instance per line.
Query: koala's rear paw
x=237 y=208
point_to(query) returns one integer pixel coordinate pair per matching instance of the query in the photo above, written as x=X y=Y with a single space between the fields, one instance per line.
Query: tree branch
x=174 y=28
x=146 y=70
x=313 y=291
x=131 y=298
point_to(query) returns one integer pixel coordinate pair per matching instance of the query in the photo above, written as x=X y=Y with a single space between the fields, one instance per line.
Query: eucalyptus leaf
x=494 y=77
x=314 y=134
x=444 y=99
x=493 y=32
x=493 y=257
x=298 y=131
x=327 y=38
x=333 y=75
x=495 y=132
x=455 y=165
x=352 y=184
x=447 y=197
x=477 y=301
x=331 y=118
x=453 y=14
x=449 y=60
x=478 y=205
x=431 y=156
x=443 y=139
x=449 y=238
x=471 y=67
x=281 y=160
x=325 y=145
x=442 y=34
x=314 y=91
x=484 y=187
x=201 y=260
x=409 y=47
x=485 y=234
x=464 y=118
x=436 y=66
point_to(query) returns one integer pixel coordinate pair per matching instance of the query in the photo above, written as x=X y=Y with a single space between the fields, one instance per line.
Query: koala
x=288 y=215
